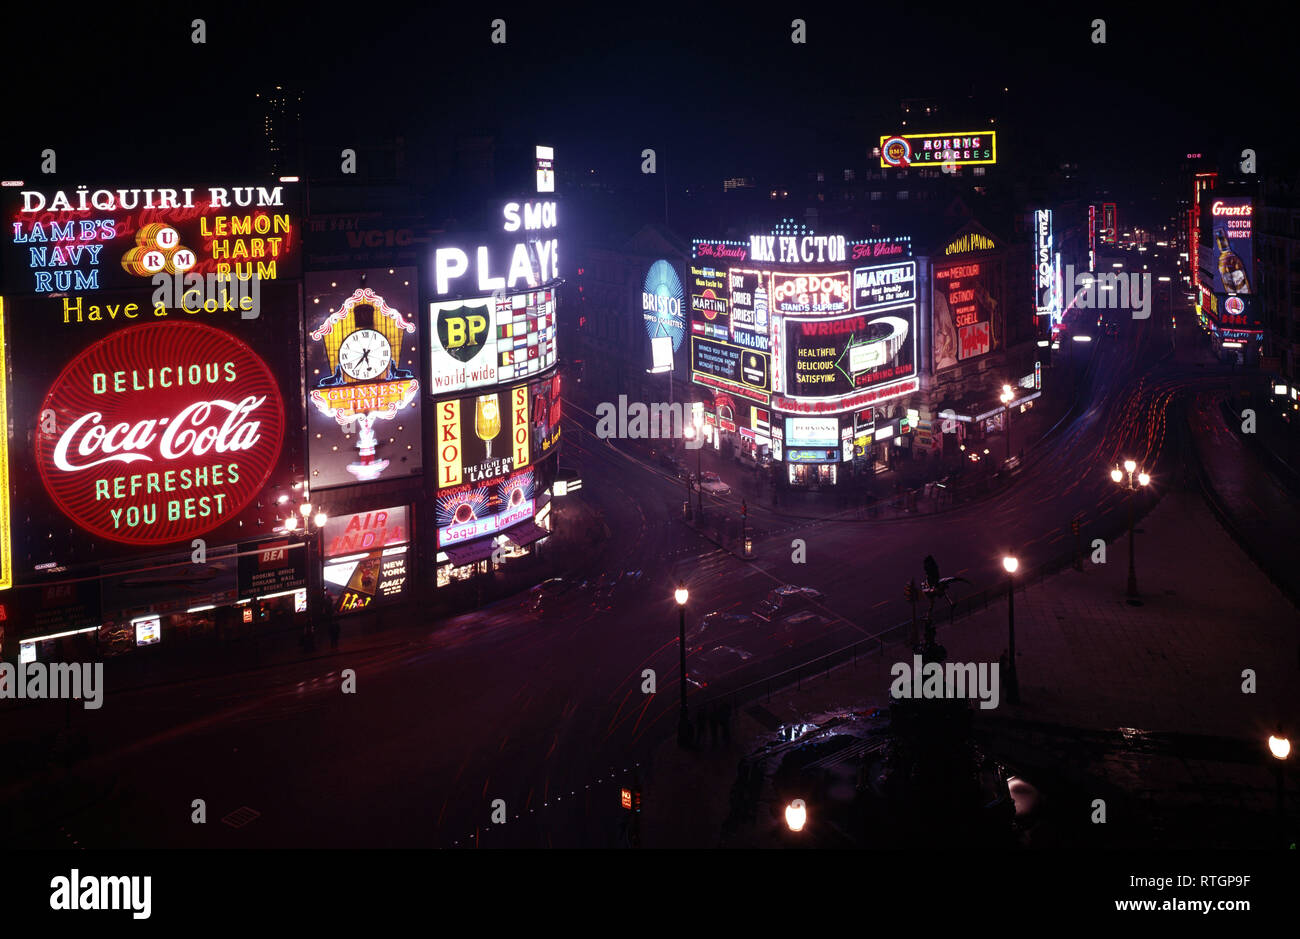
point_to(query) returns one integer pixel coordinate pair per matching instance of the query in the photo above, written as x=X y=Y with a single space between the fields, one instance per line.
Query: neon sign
x=61 y=239
x=533 y=261
x=1043 y=265
x=812 y=293
x=965 y=148
x=661 y=303
x=795 y=249
x=159 y=432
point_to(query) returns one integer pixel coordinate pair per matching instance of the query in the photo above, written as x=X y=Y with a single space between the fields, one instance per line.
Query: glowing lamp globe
x=796 y=815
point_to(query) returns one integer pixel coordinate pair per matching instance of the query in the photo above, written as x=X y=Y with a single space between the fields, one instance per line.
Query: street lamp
x=1280 y=747
x=313 y=526
x=1132 y=479
x=1010 y=564
x=683 y=727
x=796 y=815
x=1005 y=398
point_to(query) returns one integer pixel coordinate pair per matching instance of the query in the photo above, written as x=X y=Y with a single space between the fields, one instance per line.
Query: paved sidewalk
x=1087 y=661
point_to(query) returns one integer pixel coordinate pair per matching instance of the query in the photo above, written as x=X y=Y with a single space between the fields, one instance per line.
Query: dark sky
x=718 y=89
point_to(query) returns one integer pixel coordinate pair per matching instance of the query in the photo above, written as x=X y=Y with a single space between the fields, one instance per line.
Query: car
x=718 y=626
x=547 y=594
x=786 y=599
x=708 y=667
x=711 y=483
x=800 y=626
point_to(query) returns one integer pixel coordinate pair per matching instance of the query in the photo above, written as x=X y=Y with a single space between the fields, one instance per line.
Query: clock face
x=365 y=355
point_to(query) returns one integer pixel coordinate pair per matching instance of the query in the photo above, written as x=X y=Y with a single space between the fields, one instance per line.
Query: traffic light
x=1074 y=526
x=910 y=593
x=744 y=509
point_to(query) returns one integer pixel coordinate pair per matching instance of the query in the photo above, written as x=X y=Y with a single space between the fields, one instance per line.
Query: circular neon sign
x=661 y=303
x=897 y=152
x=159 y=433
x=1234 y=305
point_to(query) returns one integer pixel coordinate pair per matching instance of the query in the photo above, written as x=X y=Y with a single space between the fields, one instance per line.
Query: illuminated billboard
x=545 y=410
x=475 y=510
x=750 y=313
x=812 y=432
x=963 y=306
x=1044 y=265
x=363 y=356
x=486 y=341
x=884 y=283
x=718 y=365
x=965 y=148
x=522 y=255
x=1109 y=222
x=1229 y=267
x=366 y=531
x=159 y=432
x=832 y=357
x=805 y=293
x=661 y=303
x=86 y=240
x=483 y=437
x=1230 y=223
x=366 y=557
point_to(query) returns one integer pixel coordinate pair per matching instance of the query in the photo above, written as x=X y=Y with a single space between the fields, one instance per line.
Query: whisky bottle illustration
x=1231 y=269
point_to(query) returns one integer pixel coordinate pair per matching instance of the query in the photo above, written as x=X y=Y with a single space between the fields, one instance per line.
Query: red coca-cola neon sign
x=159 y=433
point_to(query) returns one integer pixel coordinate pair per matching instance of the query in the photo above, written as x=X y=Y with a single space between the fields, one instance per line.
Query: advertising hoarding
x=964 y=312
x=86 y=240
x=366 y=531
x=809 y=293
x=363 y=356
x=475 y=510
x=661 y=303
x=144 y=453
x=961 y=148
x=837 y=356
x=1044 y=266
x=356 y=582
x=155 y=336
x=483 y=437
x=721 y=366
x=884 y=283
x=814 y=432
x=521 y=255
x=271 y=567
x=486 y=341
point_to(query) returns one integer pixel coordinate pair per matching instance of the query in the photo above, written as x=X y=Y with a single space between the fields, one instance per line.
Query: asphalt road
x=548 y=713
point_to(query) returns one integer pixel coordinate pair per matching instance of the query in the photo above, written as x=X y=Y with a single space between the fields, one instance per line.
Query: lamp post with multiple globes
x=1006 y=398
x=1132 y=479
x=313 y=524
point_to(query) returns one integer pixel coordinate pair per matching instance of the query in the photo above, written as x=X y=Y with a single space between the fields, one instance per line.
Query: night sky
x=719 y=90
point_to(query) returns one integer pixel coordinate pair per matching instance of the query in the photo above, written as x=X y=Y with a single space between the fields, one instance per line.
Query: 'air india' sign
x=159 y=433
